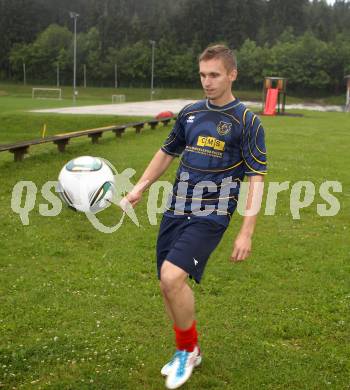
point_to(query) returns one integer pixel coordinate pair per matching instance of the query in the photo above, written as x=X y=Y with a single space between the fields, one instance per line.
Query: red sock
x=186 y=339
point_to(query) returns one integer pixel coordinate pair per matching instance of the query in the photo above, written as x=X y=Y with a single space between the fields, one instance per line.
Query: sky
x=333 y=1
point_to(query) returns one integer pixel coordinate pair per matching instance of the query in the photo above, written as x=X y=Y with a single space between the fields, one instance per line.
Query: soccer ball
x=86 y=184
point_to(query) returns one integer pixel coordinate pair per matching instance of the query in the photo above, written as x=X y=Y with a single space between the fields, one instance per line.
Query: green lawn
x=104 y=95
x=93 y=95
x=17 y=123
x=80 y=309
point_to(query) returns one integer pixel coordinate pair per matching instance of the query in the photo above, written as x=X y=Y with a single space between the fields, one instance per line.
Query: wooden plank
x=22 y=144
x=83 y=132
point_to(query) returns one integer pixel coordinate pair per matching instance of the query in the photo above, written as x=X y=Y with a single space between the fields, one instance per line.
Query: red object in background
x=271 y=100
x=165 y=114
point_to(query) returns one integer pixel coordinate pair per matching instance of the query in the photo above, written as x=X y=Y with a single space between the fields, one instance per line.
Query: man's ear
x=233 y=74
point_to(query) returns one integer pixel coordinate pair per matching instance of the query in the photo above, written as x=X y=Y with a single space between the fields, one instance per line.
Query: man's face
x=215 y=78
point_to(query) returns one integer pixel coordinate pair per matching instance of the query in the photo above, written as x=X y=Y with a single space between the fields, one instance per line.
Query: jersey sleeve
x=175 y=142
x=253 y=146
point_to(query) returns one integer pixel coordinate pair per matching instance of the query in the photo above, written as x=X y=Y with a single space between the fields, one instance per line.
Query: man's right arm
x=158 y=165
x=173 y=146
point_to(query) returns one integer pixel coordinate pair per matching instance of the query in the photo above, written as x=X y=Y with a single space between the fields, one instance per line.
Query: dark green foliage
x=308 y=42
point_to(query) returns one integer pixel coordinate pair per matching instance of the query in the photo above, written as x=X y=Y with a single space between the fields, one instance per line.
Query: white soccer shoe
x=167 y=368
x=180 y=368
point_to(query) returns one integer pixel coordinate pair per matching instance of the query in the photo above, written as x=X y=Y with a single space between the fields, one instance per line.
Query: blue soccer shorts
x=187 y=242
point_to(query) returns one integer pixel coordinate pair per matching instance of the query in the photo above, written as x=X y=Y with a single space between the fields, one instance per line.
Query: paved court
x=152 y=108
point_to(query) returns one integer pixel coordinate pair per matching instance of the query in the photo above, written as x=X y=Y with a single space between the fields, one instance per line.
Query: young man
x=219 y=142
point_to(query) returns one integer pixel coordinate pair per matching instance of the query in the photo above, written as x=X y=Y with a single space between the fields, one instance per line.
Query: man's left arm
x=243 y=243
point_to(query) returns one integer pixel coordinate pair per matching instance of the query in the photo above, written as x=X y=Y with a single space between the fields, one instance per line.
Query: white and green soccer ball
x=86 y=184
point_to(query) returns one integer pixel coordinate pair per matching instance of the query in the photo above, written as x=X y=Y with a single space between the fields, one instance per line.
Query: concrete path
x=151 y=108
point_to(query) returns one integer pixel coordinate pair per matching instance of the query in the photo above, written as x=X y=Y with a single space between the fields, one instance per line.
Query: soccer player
x=219 y=142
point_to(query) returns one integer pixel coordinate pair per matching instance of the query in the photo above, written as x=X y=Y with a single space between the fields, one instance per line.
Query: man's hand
x=243 y=243
x=241 y=248
x=134 y=196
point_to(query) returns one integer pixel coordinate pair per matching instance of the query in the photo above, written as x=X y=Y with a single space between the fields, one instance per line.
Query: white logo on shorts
x=195 y=261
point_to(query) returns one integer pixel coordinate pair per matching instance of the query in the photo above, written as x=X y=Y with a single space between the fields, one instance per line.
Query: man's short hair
x=220 y=52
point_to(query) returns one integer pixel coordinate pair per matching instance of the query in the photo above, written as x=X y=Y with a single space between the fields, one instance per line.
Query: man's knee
x=172 y=278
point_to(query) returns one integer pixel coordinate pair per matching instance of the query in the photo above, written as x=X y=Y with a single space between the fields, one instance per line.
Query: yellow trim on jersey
x=253 y=170
x=203 y=200
x=237 y=179
x=253 y=120
x=249 y=140
x=256 y=134
x=250 y=151
x=170 y=141
x=244 y=115
x=165 y=150
x=175 y=136
x=220 y=110
x=224 y=113
x=211 y=170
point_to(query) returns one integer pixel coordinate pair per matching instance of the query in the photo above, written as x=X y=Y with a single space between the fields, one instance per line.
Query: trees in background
x=309 y=64
x=307 y=42
x=52 y=47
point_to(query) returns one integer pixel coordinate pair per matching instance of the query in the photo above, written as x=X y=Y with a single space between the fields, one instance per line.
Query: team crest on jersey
x=224 y=128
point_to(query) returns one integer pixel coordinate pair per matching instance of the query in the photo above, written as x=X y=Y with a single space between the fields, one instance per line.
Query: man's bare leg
x=180 y=299
x=178 y=294
x=167 y=307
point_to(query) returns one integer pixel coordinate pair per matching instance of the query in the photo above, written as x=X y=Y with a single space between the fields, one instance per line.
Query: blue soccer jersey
x=218 y=147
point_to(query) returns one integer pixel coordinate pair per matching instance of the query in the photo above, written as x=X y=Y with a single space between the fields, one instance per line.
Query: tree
x=305 y=62
x=42 y=55
x=251 y=59
x=134 y=63
x=265 y=33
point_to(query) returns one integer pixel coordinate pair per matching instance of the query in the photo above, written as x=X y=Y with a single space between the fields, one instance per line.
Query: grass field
x=17 y=123
x=103 y=95
x=80 y=309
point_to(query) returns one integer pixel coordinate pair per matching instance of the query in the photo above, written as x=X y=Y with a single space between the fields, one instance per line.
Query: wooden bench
x=19 y=149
